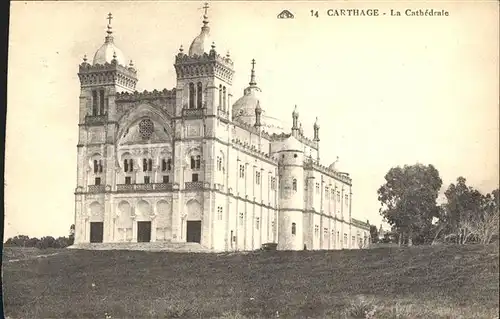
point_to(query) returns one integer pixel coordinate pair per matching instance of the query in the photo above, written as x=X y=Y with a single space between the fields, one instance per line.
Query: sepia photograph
x=252 y=159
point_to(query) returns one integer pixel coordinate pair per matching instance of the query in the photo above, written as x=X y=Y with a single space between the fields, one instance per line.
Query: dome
x=106 y=53
x=244 y=111
x=109 y=51
x=244 y=108
x=201 y=44
x=335 y=165
x=292 y=144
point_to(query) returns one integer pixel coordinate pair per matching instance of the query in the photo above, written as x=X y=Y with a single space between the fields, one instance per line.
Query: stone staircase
x=152 y=246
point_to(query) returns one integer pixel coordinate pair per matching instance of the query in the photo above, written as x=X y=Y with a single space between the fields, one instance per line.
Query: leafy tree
x=18 y=241
x=467 y=213
x=408 y=200
x=374 y=234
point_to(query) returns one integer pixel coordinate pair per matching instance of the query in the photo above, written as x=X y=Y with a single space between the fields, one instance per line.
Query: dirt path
x=32 y=257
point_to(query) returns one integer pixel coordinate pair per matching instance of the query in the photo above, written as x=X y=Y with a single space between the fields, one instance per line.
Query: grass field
x=418 y=282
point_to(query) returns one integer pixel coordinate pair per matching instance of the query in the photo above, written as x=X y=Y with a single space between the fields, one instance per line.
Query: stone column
x=153 y=226
x=134 y=224
x=176 y=221
x=108 y=218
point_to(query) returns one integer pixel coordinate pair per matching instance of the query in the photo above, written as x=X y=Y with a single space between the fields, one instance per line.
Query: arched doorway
x=193 y=223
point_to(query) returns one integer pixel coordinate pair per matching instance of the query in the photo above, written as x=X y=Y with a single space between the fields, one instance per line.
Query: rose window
x=146 y=128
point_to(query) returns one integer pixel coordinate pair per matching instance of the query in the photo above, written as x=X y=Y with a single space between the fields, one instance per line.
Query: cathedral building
x=190 y=165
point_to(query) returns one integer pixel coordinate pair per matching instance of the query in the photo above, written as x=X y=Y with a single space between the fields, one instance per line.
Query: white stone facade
x=178 y=165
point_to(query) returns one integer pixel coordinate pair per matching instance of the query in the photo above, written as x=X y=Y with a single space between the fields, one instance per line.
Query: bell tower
x=204 y=77
x=100 y=80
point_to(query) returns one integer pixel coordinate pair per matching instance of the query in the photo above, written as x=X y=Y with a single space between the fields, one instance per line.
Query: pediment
x=145 y=131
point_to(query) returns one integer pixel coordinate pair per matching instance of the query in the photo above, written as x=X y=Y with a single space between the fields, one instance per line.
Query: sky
x=388 y=91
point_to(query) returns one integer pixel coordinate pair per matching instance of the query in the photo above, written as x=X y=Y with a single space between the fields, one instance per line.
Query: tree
x=461 y=213
x=374 y=234
x=408 y=200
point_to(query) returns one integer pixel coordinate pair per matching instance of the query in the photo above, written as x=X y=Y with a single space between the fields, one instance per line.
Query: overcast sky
x=387 y=90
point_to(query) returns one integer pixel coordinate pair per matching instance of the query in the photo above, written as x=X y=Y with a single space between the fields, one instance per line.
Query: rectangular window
x=316 y=230
x=317 y=188
x=327 y=193
x=338 y=196
x=166 y=179
x=257 y=178
x=97 y=181
x=257 y=223
x=346 y=200
x=194 y=177
x=241 y=219
x=147 y=179
x=242 y=171
x=219 y=213
x=128 y=180
x=345 y=240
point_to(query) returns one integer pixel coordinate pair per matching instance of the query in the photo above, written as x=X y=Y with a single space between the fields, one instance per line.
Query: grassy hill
x=417 y=282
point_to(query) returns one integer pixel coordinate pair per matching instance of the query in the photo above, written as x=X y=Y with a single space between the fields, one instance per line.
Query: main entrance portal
x=194 y=231
x=96 y=232
x=143 y=232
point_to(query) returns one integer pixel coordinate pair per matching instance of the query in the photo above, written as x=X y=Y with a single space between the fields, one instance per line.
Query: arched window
x=195 y=162
x=294 y=184
x=192 y=95
x=147 y=165
x=199 y=95
x=94 y=103
x=224 y=97
x=220 y=98
x=101 y=102
x=96 y=167
x=125 y=165
x=131 y=165
x=166 y=165
x=219 y=163
x=294 y=228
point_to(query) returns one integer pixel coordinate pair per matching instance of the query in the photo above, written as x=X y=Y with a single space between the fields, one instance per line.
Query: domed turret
x=109 y=51
x=292 y=144
x=202 y=43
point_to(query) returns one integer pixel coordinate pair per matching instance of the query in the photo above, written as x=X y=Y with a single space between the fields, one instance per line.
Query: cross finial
x=252 y=74
x=110 y=17
x=206 y=7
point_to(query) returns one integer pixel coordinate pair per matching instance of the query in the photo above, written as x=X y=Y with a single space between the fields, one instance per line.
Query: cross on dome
x=110 y=17
x=206 y=7
x=252 y=75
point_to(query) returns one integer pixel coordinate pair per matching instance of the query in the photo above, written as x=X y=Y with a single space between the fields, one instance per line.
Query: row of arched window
x=222 y=97
x=98 y=102
x=195 y=95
